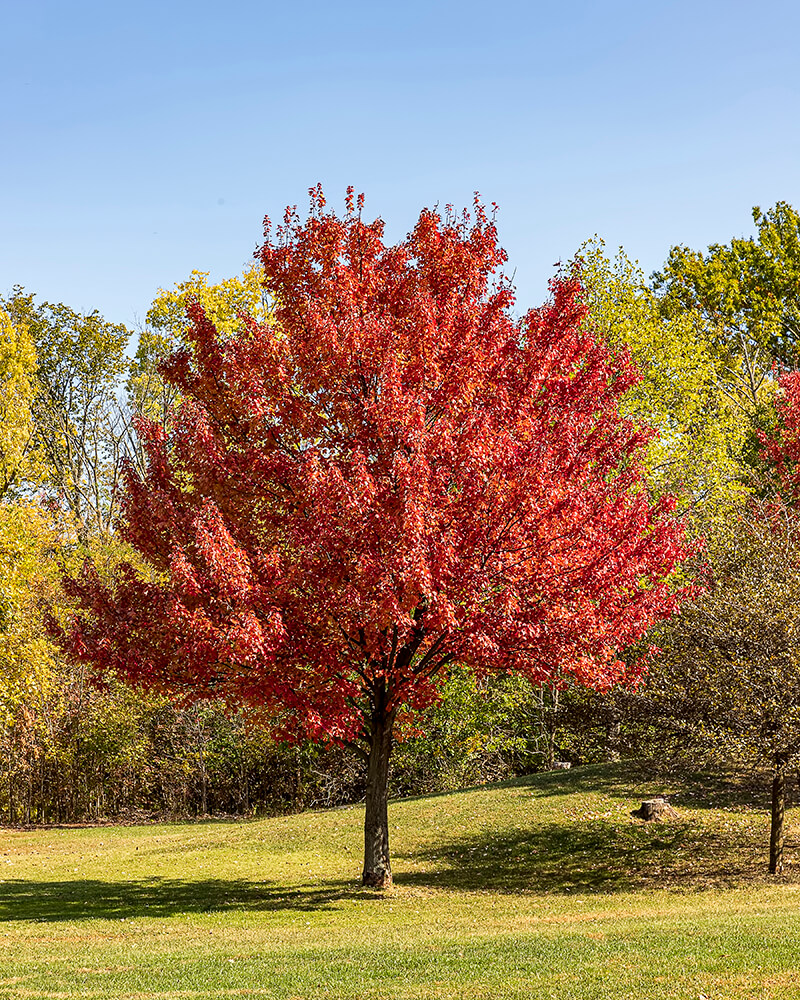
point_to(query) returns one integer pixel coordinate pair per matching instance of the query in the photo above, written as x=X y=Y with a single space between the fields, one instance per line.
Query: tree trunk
x=548 y=714
x=613 y=734
x=778 y=808
x=377 y=869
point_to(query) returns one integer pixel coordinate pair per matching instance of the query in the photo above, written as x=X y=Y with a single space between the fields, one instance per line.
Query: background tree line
x=710 y=332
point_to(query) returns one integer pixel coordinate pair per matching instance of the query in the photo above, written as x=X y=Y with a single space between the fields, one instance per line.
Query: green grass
x=541 y=887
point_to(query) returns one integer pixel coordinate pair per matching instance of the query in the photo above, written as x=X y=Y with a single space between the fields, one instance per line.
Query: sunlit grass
x=544 y=887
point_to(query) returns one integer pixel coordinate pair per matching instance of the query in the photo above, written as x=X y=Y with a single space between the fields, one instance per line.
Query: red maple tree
x=781 y=447
x=394 y=476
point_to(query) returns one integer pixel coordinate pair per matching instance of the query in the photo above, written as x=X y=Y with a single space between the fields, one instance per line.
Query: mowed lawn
x=541 y=887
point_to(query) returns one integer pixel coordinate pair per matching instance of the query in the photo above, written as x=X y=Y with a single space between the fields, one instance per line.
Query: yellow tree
x=23 y=652
x=30 y=575
x=17 y=390
x=703 y=434
x=224 y=303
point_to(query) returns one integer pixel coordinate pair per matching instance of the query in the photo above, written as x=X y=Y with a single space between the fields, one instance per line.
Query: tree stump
x=654 y=810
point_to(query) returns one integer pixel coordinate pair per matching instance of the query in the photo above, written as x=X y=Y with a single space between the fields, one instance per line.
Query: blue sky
x=143 y=140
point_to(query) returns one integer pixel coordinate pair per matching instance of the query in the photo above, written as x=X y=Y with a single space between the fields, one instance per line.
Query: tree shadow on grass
x=683 y=783
x=593 y=856
x=22 y=899
x=589 y=855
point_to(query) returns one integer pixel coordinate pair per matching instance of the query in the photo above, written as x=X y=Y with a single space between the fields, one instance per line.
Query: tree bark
x=377 y=867
x=613 y=734
x=778 y=809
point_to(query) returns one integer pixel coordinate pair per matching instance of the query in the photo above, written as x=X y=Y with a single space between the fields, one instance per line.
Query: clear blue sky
x=142 y=140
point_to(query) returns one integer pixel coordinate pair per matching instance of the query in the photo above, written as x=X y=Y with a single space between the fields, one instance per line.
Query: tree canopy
x=744 y=293
x=78 y=425
x=697 y=453
x=743 y=299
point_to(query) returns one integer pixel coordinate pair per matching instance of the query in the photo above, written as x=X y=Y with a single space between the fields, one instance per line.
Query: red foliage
x=782 y=447
x=393 y=475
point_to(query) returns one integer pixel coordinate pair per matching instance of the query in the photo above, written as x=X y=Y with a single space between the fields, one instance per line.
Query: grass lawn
x=540 y=887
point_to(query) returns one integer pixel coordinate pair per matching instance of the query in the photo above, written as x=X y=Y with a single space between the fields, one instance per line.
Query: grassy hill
x=540 y=887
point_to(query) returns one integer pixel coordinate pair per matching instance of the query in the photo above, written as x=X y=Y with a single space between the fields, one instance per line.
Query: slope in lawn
x=543 y=886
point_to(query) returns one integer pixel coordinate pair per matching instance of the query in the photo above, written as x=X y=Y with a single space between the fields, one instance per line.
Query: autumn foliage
x=392 y=475
x=781 y=448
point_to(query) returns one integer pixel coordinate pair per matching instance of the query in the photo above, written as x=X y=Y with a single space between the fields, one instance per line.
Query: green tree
x=744 y=297
x=729 y=669
x=80 y=428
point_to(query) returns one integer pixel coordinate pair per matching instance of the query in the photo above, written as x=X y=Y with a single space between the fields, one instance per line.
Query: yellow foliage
x=167 y=322
x=17 y=389
x=29 y=577
x=223 y=302
x=701 y=431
